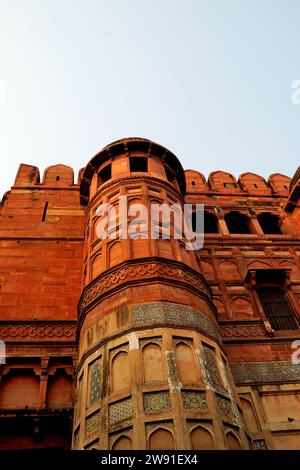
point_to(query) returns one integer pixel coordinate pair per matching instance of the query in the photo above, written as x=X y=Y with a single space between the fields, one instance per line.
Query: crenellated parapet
x=54 y=176
x=221 y=182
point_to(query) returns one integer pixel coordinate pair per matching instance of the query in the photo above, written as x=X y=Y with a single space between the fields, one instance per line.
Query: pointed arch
x=120 y=376
x=161 y=439
x=201 y=439
x=122 y=443
x=185 y=363
x=153 y=363
x=233 y=443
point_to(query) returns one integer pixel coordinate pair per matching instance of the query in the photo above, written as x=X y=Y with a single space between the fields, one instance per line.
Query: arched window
x=237 y=222
x=270 y=223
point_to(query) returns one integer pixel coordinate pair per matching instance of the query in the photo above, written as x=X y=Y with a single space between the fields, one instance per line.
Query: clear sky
x=209 y=79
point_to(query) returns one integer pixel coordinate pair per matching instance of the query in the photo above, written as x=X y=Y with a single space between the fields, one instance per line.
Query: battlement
x=247 y=183
x=62 y=176
x=54 y=176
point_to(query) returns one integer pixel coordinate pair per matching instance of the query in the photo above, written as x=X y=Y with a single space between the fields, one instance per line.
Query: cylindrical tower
x=152 y=373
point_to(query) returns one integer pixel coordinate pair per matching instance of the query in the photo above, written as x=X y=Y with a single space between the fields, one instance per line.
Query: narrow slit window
x=45 y=212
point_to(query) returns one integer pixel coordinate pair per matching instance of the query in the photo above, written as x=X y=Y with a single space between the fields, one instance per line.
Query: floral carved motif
x=33 y=331
x=242 y=330
x=134 y=271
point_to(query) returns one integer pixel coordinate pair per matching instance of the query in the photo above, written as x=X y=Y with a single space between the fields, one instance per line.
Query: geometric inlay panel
x=213 y=369
x=92 y=423
x=171 y=313
x=120 y=410
x=265 y=372
x=193 y=399
x=224 y=406
x=157 y=401
x=94 y=383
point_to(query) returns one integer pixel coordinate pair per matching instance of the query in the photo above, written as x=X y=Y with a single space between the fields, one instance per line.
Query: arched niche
x=161 y=439
x=153 y=363
x=229 y=271
x=98 y=264
x=185 y=362
x=120 y=371
x=208 y=270
x=116 y=253
x=293 y=267
x=249 y=415
x=241 y=307
x=201 y=439
x=122 y=443
x=220 y=307
x=232 y=441
x=259 y=264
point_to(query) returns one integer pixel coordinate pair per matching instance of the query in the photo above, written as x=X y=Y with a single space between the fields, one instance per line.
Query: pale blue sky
x=211 y=80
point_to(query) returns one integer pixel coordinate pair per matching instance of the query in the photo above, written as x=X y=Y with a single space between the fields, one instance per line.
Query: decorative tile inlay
x=238 y=419
x=169 y=313
x=213 y=369
x=115 y=436
x=265 y=372
x=259 y=444
x=172 y=370
x=157 y=401
x=157 y=339
x=193 y=399
x=93 y=423
x=224 y=406
x=158 y=424
x=120 y=410
x=95 y=377
x=156 y=382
